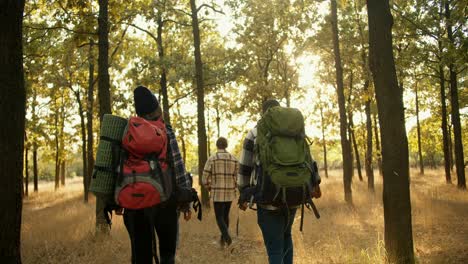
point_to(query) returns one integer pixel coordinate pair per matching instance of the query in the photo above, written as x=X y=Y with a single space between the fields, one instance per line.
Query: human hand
x=187 y=215
x=119 y=211
x=243 y=206
x=316 y=192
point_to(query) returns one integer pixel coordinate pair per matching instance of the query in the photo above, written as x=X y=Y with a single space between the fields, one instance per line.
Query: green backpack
x=287 y=167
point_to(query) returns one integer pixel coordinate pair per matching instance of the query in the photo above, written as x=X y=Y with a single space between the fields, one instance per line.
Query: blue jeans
x=276 y=231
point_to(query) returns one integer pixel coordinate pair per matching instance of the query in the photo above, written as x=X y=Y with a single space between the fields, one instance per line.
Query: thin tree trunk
x=57 y=150
x=83 y=137
x=377 y=145
x=345 y=144
x=418 y=130
x=35 y=168
x=367 y=107
x=63 y=172
x=450 y=142
x=163 y=80
x=324 y=143
x=89 y=124
x=182 y=134
x=12 y=113
x=218 y=121
x=457 y=132
x=351 y=130
x=397 y=208
x=26 y=171
x=202 y=146
x=443 y=110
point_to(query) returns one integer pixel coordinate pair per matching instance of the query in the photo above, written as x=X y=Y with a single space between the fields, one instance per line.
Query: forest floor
x=59 y=228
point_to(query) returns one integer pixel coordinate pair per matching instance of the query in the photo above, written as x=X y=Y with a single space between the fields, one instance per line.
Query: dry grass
x=58 y=228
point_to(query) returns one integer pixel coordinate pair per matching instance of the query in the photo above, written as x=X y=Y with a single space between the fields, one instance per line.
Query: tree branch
x=63 y=28
x=210 y=7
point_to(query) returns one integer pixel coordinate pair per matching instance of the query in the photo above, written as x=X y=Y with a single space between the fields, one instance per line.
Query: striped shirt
x=247 y=161
x=220 y=174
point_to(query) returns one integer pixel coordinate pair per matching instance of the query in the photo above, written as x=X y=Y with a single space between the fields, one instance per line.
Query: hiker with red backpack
x=278 y=174
x=152 y=183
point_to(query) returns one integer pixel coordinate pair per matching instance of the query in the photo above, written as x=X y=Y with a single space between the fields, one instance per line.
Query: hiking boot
x=228 y=241
x=222 y=242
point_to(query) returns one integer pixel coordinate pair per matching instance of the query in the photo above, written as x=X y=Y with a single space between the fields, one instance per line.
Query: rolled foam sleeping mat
x=103 y=179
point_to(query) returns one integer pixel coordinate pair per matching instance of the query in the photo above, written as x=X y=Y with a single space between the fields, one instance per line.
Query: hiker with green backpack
x=278 y=174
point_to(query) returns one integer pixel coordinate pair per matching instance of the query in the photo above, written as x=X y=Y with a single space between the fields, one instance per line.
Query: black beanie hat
x=269 y=103
x=145 y=101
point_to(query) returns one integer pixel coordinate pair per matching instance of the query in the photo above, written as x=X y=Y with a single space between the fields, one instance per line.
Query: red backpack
x=144 y=179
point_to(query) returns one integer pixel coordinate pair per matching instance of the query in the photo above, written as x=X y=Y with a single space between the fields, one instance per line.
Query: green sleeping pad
x=112 y=129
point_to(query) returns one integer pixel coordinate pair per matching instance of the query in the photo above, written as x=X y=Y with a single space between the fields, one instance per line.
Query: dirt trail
x=58 y=228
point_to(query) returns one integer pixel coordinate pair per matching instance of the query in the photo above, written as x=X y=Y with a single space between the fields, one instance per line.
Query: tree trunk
x=377 y=145
x=89 y=124
x=182 y=135
x=35 y=168
x=397 y=208
x=103 y=61
x=345 y=144
x=418 y=130
x=83 y=138
x=367 y=107
x=445 y=135
x=12 y=112
x=103 y=94
x=369 y=167
x=351 y=130
x=62 y=172
x=457 y=132
x=26 y=171
x=163 y=80
x=218 y=121
x=57 y=150
x=324 y=143
x=451 y=151
x=202 y=145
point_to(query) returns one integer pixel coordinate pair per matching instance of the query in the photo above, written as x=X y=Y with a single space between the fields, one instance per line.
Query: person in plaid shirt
x=220 y=178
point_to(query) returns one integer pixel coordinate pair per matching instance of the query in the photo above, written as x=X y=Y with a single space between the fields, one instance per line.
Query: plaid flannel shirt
x=182 y=178
x=247 y=161
x=220 y=174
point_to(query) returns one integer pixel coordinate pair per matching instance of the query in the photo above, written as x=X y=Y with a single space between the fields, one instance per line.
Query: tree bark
x=163 y=80
x=57 y=148
x=89 y=124
x=377 y=145
x=324 y=143
x=345 y=144
x=35 y=168
x=103 y=61
x=457 y=132
x=26 y=171
x=63 y=172
x=397 y=208
x=12 y=112
x=443 y=110
x=351 y=130
x=83 y=136
x=418 y=130
x=201 y=130
x=367 y=107
x=103 y=93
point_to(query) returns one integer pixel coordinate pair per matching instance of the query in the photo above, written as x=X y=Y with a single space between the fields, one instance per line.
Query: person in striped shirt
x=220 y=178
x=274 y=222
